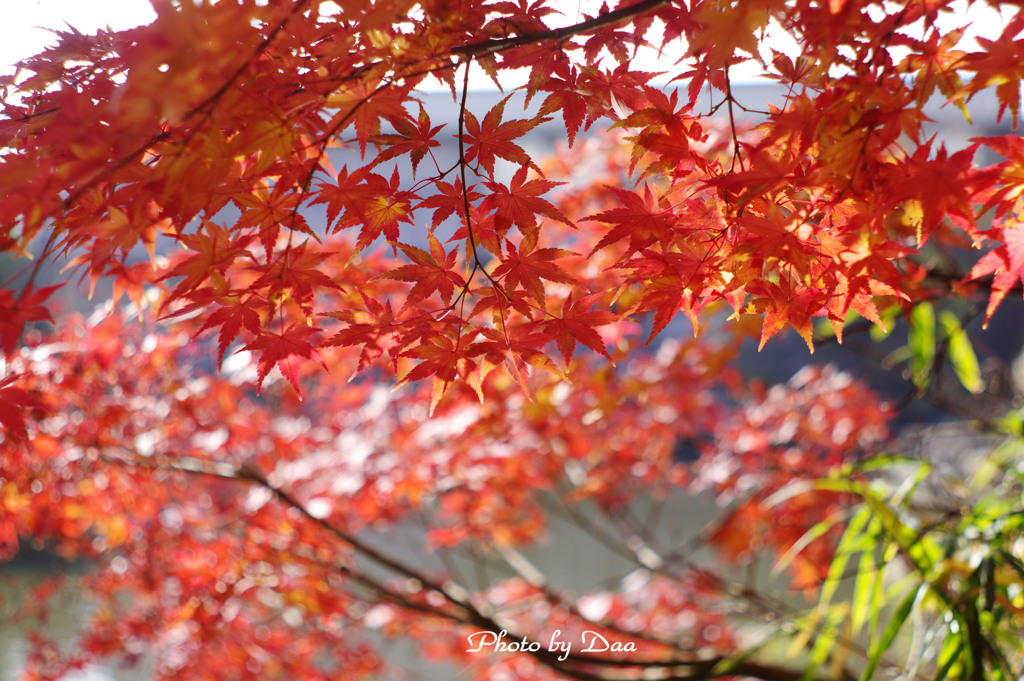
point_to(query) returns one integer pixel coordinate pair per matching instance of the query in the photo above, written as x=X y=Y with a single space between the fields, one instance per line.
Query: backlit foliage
x=264 y=185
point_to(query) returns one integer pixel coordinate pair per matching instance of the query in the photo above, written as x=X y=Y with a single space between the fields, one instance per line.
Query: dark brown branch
x=477 y=264
x=737 y=154
x=577 y=666
x=535 y=37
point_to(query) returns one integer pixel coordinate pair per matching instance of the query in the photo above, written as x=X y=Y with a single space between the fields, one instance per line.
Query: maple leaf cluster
x=243 y=523
x=220 y=148
x=265 y=183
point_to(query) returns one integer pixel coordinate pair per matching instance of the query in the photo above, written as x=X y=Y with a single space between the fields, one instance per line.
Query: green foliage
x=961 y=353
x=921 y=343
x=936 y=575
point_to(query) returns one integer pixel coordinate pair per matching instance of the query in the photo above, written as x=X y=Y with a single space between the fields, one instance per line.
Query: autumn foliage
x=323 y=329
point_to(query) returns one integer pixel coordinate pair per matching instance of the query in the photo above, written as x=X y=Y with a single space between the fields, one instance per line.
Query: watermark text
x=499 y=642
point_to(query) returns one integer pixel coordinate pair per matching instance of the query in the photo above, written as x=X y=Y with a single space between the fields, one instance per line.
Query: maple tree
x=298 y=356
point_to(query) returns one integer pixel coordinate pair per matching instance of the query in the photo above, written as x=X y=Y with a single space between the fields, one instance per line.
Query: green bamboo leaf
x=807 y=538
x=878 y=334
x=824 y=633
x=921 y=343
x=868 y=580
x=852 y=541
x=825 y=641
x=999 y=462
x=1012 y=423
x=798 y=487
x=902 y=495
x=877 y=602
x=1002 y=667
x=899 y=616
x=922 y=549
x=952 y=648
x=961 y=353
x=883 y=461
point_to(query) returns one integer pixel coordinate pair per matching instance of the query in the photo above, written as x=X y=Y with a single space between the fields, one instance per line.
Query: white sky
x=23 y=24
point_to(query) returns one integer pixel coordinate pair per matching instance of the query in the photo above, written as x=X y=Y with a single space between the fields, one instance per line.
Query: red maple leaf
x=231 y=318
x=565 y=98
x=685 y=280
x=999 y=63
x=384 y=212
x=285 y=349
x=212 y=250
x=485 y=233
x=13 y=402
x=520 y=203
x=662 y=129
x=267 y=209
x=640 y=219
x=363 y=103
x=945 y=186
x=1004 y=194
x=16 y=311
x=492 y=138
x=1005 y=262
x=526 y=267
x=411 y=137
x=366 y=199
x=375 y=328
x=787 y=303
x=430 y=272
x=577 y=323
x=445 y=359
x=298 y=271
x=448 y=200
x=345 y=196
x=500 y=302
x=517 y=347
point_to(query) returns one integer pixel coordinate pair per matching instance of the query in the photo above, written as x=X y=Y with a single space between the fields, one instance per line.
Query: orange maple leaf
x=784 y=303
x=520 y=203
x=231 y=318
x=445 y=359
x=492 y=138
x=16 y=311
x=640 y=219
x=527 y=266
x=13 y=402
x=577 y=323
x=285 y=349
x=433 y=271
x=376 y=329
x=1006 y=262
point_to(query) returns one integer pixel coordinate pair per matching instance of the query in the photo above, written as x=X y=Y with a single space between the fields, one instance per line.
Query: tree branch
x=601 y=21
x=576 y=666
